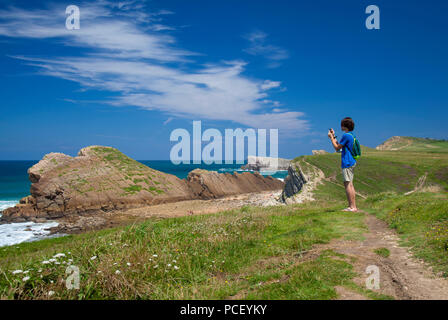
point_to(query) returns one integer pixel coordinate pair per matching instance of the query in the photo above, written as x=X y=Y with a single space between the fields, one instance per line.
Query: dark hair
x=348 y=123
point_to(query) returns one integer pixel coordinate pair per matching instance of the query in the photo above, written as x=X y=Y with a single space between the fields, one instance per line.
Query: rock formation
x=210 y=185
x=315 y=152
x=293 y=183
x=266 y=163
x=104 y=179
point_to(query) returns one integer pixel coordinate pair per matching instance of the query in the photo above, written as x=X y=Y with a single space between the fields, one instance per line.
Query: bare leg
x=351 y=195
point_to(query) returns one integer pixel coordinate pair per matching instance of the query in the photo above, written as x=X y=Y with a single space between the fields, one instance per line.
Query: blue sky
x=136 y=70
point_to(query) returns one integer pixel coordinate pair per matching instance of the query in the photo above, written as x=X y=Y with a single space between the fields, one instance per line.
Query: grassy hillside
x=415 y=144
x=421 y=219
x=381 y=171
x=243 y=253
x=251 y=253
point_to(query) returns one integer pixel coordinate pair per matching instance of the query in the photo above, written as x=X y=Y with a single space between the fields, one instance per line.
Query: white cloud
x=120 y=52
x=168 y=120
x=268 y=84
x=260 y=47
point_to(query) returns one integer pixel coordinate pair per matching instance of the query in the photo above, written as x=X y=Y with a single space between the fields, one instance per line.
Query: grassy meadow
x=250 y=253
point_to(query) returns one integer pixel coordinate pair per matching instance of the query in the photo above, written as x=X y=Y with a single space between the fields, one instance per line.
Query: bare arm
x=337 y=146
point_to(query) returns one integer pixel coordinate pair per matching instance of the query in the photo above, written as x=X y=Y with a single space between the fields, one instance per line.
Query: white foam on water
x=7 y=204
x=14 y=233
x=232 y=170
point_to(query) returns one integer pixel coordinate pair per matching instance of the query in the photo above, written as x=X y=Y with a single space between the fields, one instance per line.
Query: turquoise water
x=14 y=183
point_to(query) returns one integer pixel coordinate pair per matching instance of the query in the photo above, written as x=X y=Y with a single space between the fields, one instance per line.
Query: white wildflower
x=176 y=267
x=129 y=264
x=26 y=279
x=50 y=293
x=59 y=255
x=93 y=258
x=117 y=272
x=17 y=271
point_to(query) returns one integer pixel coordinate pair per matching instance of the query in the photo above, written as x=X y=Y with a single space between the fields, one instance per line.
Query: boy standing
x=348 y=163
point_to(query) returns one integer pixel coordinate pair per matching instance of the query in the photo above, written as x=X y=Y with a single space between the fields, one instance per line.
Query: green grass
x=421 y=220
x=420 y=145
x=379 y=171
x=217 y=256
x=384 y=252
x=251 y=253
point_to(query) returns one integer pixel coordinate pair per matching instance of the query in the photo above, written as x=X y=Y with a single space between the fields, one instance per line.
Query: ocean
x=14 y=185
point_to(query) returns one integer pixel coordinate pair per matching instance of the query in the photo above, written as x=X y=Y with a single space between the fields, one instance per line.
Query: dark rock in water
x=293 y=182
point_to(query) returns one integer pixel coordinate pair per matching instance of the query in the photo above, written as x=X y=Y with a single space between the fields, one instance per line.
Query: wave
x=4 y=204
x=231 y=170
x=14 y=233
x=263 y=172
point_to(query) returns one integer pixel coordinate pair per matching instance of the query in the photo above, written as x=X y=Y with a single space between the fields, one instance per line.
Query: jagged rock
x=319 y=152
x=209 y=185
x=266 y=163
x=104 y=179
x=293 y=183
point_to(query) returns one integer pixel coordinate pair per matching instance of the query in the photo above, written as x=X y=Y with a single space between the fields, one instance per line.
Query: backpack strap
x=353 y=145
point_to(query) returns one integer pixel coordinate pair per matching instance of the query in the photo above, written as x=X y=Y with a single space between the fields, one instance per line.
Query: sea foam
x=14 y=233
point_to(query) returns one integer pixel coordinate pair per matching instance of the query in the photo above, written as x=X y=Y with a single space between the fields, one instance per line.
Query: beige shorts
x=348 y=173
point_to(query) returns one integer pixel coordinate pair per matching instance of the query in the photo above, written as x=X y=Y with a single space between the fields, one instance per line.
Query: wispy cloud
x=124 y=49
x=167 y=120
x=259 y=46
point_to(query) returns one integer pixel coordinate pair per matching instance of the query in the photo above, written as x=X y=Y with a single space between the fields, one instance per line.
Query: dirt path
x=401 y=275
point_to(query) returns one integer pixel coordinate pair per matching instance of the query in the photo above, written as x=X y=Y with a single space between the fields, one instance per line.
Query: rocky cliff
x=104 y=179
x=294 y=183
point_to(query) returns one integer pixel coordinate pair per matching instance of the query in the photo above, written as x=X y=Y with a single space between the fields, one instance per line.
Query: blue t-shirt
x=347 y=159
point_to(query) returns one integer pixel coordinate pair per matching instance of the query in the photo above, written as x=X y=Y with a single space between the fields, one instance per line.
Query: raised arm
x=337 y=146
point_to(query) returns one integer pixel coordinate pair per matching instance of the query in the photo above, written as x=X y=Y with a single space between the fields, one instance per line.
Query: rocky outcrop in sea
x=102 y=179
x=256 y=163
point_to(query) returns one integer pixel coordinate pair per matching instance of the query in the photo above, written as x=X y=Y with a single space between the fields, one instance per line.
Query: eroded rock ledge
x=104 y=179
